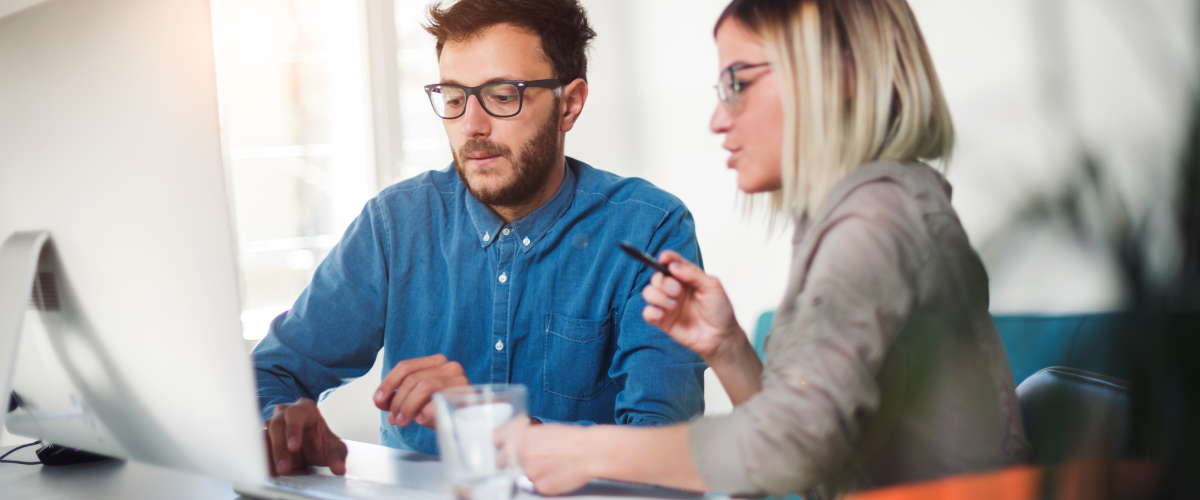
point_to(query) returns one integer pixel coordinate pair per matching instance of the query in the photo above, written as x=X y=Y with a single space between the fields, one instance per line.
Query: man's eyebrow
x=505 y=78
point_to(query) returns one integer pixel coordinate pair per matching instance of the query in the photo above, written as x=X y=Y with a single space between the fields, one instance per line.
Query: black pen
x=643 y=257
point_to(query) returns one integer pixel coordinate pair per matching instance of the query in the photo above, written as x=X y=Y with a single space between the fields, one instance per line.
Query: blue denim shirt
x=548 y=301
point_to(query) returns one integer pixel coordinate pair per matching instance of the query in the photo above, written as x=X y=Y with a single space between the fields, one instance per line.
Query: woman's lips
x=733 y=158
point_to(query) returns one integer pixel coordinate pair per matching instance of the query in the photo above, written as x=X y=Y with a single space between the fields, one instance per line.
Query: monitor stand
x=19 y=256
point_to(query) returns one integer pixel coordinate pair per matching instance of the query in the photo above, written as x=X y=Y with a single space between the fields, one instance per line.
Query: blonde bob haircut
x=857 y=86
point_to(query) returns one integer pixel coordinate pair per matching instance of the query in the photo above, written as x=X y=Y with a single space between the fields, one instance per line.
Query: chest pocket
x=578 y=355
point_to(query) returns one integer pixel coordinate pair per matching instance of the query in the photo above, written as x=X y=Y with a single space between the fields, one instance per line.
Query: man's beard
x=531 y=169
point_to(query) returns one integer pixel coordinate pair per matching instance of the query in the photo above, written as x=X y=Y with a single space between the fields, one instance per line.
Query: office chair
x=1071 y=413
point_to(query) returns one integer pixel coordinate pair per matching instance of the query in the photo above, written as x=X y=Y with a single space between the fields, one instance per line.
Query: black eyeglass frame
x=735 y=85
x=521 y=85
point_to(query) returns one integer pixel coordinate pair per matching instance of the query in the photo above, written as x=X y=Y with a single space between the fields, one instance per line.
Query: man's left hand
x=407 y=391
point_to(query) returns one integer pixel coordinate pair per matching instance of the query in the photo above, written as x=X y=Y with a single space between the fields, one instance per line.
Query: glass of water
x=478 y=428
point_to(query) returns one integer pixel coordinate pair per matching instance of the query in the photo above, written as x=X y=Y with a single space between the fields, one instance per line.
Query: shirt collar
x=532 y=227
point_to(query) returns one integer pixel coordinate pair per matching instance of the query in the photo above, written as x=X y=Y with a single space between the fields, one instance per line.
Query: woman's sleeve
x=819 y=385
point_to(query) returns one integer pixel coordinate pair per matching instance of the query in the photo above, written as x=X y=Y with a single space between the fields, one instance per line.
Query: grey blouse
x=883 y=365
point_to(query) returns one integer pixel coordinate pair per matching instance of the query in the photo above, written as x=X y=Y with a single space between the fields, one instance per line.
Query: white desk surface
x=129 y=480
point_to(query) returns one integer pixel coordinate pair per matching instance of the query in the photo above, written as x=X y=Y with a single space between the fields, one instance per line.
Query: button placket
x=506 y=246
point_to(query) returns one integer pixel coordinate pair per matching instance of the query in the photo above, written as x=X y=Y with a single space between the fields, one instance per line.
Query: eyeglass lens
x=726 y=88
x=729 y=88
x=499 y=99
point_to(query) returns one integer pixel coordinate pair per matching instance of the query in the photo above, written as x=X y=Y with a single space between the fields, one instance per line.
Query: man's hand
x=406 y=392
x=297 y=436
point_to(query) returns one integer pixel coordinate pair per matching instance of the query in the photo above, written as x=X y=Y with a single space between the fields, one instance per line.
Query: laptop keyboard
x=341 y=487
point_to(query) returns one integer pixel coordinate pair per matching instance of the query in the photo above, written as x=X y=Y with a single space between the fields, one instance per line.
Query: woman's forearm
x=652 y=455
x=738 y=367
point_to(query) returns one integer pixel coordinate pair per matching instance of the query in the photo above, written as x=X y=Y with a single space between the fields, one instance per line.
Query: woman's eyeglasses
x=729 y=88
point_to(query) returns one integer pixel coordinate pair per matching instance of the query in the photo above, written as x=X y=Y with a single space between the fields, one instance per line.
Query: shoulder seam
x=640 y=202
x=387 y=232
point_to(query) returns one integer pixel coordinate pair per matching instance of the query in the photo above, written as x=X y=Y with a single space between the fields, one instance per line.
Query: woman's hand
x=560 y=458
x=563 y=458
x=691 y=307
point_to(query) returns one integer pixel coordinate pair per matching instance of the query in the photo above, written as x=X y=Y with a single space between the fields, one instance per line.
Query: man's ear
x=574 y=95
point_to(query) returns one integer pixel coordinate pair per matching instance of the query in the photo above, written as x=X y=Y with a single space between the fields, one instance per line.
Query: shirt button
x=486 y=237
x=506 y=231
x=526 y=241
x=499 y=345
x=503 y=278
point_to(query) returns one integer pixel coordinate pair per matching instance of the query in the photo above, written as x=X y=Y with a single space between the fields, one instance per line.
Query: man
x=503 y=268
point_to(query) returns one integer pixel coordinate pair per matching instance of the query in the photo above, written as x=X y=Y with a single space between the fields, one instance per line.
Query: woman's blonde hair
x=857 y=86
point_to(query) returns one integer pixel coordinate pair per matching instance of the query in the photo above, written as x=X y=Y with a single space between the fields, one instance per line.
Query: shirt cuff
x=568 y=422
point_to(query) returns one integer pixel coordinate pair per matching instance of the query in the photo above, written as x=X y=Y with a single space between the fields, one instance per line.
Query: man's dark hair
x=562 y=26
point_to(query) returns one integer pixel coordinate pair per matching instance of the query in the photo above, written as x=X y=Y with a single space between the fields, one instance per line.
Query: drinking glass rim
x=494 y=390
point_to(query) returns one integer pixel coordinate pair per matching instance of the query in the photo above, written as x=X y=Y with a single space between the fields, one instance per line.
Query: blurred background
x=1075 y=174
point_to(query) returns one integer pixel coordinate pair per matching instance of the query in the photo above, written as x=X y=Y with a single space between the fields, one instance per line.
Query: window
x=313 y=95
x=296 y=122
x=424 y=145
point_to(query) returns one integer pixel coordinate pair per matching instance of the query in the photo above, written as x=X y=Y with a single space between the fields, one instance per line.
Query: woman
x=883 y=365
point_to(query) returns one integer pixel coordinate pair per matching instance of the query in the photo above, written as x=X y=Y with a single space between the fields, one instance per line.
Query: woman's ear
x=574 y=95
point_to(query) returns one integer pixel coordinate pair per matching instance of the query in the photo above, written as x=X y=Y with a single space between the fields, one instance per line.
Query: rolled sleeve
x=335 y=328
x=663 y=381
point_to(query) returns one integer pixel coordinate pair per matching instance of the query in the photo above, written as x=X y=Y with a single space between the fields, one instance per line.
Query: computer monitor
x=109 y=142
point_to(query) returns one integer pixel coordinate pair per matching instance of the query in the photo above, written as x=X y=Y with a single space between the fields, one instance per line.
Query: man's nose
x=476 y=122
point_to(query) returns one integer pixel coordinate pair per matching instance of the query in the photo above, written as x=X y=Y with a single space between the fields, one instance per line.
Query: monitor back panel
x=109 y=140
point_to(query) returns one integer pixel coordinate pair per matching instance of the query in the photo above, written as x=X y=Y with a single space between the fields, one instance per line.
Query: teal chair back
x=760 y=331
x=1098 y=343
x=1092 y=342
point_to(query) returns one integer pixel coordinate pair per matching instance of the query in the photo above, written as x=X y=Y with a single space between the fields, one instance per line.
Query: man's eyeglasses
x=500 y=99
x=729 y=88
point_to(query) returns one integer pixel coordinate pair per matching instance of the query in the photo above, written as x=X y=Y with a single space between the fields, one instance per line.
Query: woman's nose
x=721 y=120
